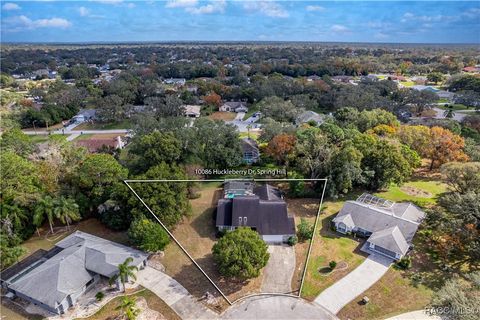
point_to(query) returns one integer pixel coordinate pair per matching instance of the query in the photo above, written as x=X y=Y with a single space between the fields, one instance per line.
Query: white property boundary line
x=224 y=180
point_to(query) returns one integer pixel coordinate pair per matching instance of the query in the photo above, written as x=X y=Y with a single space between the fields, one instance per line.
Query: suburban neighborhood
x=239 y=160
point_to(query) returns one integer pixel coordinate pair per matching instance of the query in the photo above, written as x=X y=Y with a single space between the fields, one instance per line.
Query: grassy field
x=220 y=115
x=253 y=135
x=421 y=192
x=454 y=107
x=125 y=124
x=153 y=302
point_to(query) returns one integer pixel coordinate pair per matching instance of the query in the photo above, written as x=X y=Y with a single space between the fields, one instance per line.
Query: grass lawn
x=421 y=192
x=408 y=83
x=454 y=107
x=98 y=136
x=221 y=115
x=153 y=301
x=124 y=124
x=253 y=135
x=327 y=246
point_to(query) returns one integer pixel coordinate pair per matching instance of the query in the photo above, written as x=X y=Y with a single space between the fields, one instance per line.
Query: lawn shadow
x=326 y=230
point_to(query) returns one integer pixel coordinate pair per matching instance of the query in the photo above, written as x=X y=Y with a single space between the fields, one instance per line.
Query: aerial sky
x=220 y=20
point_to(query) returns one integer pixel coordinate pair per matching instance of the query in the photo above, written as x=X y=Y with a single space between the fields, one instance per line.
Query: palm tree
x=129 y=308
x=16 y=215
x=449 y=113
x=66 y=210
x=44 y=208
x=125 y=271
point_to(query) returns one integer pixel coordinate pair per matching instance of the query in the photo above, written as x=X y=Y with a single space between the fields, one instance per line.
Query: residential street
x=277 y=308
x=279 y=270
x=353 y=284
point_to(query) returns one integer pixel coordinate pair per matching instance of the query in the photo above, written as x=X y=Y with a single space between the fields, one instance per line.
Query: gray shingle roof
x=68 y=271
x=391 y=239
x=383 y=223
x=265 y=211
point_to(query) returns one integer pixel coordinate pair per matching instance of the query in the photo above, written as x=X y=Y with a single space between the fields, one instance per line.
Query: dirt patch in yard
x=412 y=191
x=301 y=208
x=221 y=115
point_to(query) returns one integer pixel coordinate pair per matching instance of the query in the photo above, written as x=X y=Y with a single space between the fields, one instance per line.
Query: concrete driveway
x=277 y=308
x=335 y=297
x=174 y=294
x=278 y=273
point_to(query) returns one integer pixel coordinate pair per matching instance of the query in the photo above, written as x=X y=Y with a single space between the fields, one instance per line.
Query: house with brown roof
x=95 y=144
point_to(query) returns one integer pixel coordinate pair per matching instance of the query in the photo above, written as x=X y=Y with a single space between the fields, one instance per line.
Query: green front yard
x=397 y=291
x=329 y=246
x=125 y=124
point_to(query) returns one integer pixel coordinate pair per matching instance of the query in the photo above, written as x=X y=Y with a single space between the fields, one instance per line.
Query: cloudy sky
x=220 y=20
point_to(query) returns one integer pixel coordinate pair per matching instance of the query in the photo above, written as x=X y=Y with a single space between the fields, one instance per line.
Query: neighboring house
x=308 y=116
x=419 y=80
x=251 y=153
x=472 y=69
x=175 y=81
x=191 y=111
x=342 y=79
x=84 y=115
x=390 y=227
x=442 y=94
x=95 y=144
x=313 y=78
x=56 y=279
x=425 y=88
x=234 y=106
x=261 y=208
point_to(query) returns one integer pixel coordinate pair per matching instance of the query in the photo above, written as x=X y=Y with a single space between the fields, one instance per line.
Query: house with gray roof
x=261 y=208
x=250 y=151
x=388 y=226
x=55 y=280
x=309 y=116
x=234 y=106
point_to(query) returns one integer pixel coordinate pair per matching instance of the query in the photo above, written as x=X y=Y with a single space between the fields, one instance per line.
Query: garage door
x=274 y=239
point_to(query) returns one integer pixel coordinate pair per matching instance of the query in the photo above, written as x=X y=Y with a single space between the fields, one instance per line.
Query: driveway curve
x=277 y=307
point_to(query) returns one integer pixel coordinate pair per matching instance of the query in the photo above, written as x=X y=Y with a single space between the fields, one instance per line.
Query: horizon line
x=19 y=43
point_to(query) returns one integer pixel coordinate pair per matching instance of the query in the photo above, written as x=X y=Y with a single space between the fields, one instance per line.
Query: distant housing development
x=56 y=280
x=261 y=208
x=390 y=227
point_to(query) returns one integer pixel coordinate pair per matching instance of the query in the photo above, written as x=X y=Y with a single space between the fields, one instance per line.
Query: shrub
x=240 y=253
x=332 y=264
x=148 y=235
x=292 y=240
x=404 y=263
x=99 y=296
x=305 y=230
